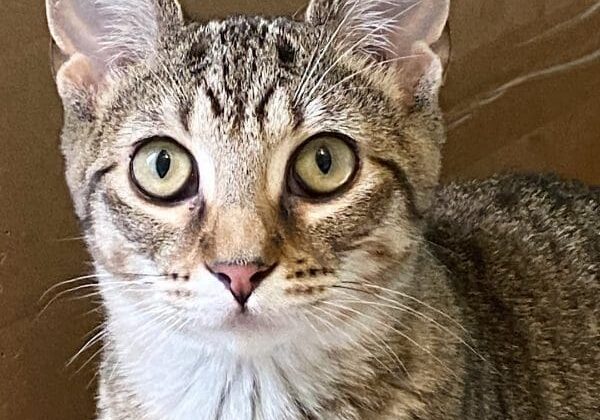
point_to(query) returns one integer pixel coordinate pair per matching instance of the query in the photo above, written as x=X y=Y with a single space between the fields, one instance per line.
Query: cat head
x=243 y=173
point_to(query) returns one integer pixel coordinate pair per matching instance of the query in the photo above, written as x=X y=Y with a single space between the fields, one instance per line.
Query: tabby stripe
x=86 y=221
x=185 y=110
x=262 y=105
x=134 y=225
x=402 y=180
x=298 y=116
x=216 y=106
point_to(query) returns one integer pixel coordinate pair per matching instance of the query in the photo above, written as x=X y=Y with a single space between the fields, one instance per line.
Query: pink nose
x=241 y=280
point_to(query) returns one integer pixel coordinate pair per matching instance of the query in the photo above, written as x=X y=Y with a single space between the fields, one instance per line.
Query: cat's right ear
x=94 y=37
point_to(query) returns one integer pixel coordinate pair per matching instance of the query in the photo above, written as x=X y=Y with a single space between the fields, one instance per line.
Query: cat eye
x=162 y=169
x=323 y=165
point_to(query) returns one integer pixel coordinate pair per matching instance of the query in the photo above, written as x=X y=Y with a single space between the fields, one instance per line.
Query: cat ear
x=93 y=37
x=407 y=33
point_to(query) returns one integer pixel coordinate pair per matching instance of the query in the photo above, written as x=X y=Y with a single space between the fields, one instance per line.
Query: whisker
x=116 y=285
x=352 y=339
x=325 y=49
x=90 y=285
x=314 y=328
x=70 y=239
x=96 y=276
x=69 y=281
x=397 y=331
x=91 y=358
x=88 y=344
x=414 y=299
x=383 y=344
x=395 y=305
x=361 y=71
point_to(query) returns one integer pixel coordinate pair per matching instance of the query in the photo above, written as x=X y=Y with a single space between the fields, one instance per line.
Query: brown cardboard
x=548 y=54
x=547 y=122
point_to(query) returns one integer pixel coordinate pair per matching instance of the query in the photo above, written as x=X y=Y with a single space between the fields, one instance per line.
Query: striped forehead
x=241 y=111
x=239 y=118
x=242 y=63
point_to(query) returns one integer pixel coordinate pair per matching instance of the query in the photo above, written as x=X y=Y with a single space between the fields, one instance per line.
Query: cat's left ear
x=408 y=34
x=93 y=37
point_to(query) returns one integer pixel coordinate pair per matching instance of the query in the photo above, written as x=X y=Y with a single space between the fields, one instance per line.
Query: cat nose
x=241 y=280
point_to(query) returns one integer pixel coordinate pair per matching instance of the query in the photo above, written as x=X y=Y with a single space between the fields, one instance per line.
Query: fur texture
x=392 y=299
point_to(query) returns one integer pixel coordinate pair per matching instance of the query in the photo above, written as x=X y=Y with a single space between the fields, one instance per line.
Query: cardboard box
x=522 y=92
x=522 y=88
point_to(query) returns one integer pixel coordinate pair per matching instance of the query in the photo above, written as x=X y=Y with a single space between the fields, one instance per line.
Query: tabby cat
x=260 y=197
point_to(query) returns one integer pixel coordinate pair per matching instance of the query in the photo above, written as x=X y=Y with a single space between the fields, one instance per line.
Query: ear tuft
x=105 y=33
x=398 y=31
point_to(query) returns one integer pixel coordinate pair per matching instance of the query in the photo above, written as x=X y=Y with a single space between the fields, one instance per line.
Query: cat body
x=522 y=255
x=260 y=197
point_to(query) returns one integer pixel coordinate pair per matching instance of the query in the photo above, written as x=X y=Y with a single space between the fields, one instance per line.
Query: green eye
x=163 y=170
x=324 y=165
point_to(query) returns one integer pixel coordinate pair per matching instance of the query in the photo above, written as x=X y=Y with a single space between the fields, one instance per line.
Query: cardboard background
x=547 y=118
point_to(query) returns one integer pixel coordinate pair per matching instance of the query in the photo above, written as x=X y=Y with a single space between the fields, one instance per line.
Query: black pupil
x=163 y=163
x=323 y=159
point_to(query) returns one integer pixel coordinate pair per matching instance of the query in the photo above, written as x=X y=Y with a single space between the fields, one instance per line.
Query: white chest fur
x=177 y=378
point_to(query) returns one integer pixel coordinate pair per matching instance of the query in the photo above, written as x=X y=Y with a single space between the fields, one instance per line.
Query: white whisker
x=397 y=331
x=381 y=343
x=353 y=340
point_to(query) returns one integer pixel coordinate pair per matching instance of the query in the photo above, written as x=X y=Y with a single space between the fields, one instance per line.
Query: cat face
x=240 y=176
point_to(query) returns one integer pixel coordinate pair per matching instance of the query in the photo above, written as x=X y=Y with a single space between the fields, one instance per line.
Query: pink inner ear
x=405 y=31
x=426 y=19
x=423 y=70
x=107 y=32
x=400 y=32
x=74 y=26
x=78 y=73
x=405 y=22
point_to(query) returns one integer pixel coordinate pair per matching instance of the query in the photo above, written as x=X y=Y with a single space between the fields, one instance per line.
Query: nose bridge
x=240 y=173
x=243 y=235
x=245 y=222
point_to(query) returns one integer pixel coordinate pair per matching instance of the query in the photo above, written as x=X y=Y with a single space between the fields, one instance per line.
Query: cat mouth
x=245 y=320
x=242 y=317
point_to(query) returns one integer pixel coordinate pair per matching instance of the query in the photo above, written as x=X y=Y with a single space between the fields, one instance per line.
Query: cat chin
x=246 y=333
x=243 y=343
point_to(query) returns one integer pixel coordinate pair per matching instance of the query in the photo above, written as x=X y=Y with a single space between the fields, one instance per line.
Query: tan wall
x=547 y=119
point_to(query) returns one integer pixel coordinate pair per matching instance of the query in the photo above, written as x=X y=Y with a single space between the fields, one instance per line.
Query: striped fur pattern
x=395 y=299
